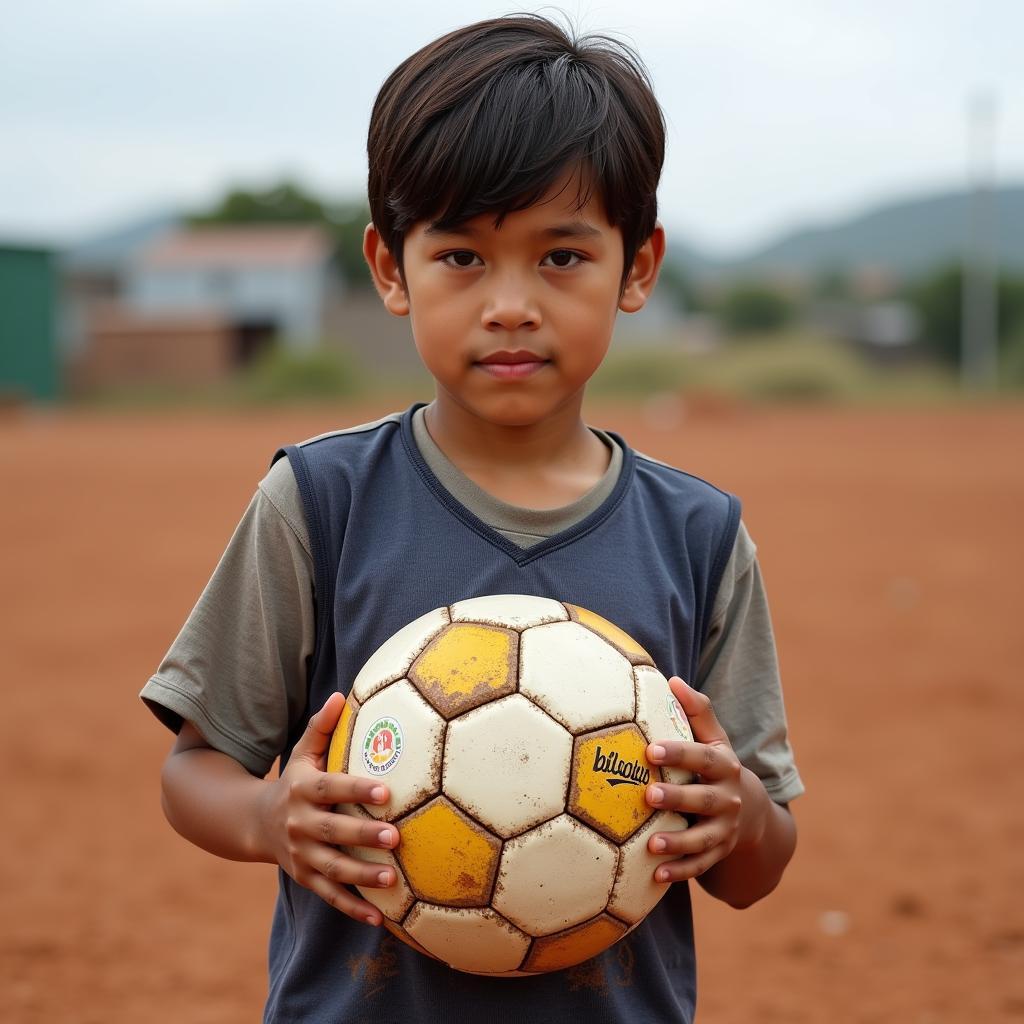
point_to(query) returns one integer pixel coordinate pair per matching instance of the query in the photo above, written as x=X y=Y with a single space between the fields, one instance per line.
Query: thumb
x=699 y=713
x=313 y=743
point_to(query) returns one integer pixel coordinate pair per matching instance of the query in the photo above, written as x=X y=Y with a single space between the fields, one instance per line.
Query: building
x=29 y=363
x=265 y=281
x=189 y=305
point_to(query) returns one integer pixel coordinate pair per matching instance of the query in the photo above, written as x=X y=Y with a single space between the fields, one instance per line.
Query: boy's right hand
x=302 y=830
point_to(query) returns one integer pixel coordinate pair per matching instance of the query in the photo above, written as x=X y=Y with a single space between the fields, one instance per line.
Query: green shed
x=29 y=365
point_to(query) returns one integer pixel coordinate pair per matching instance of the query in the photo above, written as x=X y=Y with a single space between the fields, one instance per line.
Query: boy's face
x=513 y=321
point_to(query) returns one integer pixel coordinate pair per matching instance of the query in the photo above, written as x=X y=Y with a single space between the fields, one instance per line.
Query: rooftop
x=260 y=245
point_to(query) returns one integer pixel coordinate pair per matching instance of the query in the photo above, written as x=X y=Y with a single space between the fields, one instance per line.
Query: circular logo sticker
x=382 y=746
x=675 y=712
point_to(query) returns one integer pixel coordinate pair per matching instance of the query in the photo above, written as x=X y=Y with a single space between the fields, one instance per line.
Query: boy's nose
x=511 y=306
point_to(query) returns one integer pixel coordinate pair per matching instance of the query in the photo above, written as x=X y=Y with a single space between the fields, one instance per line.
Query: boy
x=512 y=186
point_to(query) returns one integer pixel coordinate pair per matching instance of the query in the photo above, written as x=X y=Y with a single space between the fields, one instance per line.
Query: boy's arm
x=214 y=802
x=742 y=842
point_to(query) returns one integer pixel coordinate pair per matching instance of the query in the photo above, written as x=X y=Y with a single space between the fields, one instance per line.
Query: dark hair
x=487 y=118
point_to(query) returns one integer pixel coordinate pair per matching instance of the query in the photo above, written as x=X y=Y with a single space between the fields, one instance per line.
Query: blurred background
x=182 y=198
x=837 y=337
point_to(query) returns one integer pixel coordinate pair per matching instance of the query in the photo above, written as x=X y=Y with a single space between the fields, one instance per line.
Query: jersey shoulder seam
x=681 y=472
x=362 y=428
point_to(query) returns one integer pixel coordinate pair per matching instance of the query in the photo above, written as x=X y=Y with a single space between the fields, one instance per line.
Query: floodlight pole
x=979 y=312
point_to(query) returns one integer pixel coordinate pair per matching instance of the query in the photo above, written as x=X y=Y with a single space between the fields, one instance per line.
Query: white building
x=263 y=280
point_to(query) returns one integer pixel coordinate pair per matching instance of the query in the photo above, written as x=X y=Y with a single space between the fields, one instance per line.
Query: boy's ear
x=644 y=273
x=384 y=271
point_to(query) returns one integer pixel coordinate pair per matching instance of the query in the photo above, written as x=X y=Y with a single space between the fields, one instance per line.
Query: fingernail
x=657 y=752
x=657 y=794
x=370 y=919
x=384 y=838
x=377 y=794
x=658 y=845
x=661 y=874
x=384 y=878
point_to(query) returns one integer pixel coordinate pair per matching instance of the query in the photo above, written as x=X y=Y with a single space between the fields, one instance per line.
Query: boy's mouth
x=507 y=365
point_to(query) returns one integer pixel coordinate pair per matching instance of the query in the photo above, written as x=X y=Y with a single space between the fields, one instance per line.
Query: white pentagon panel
x=575 y=676
x=516 y=611
x=507 y=765
x=636 y=893
x=559 y=874
x=660 y=716
x=469 y=940
x=395 y=900
x=409 y=761
x=392 y=659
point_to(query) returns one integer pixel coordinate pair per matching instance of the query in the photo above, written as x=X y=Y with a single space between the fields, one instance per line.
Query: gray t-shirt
x=238 y=669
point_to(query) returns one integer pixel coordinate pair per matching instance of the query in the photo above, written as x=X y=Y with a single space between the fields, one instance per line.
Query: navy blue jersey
x=389 y=544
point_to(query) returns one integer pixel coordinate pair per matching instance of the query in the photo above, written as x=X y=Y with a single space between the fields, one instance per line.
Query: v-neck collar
x=518 y=554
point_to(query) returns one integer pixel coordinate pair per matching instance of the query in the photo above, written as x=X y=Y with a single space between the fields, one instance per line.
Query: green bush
x=750 y=308
x=642 y=372
x=282 y=375
x=938 y=298
x=771 y=367
x=1011 y=362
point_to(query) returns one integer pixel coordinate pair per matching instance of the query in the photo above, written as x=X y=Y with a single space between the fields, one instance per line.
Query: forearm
x=761 y=854
x=211 y=800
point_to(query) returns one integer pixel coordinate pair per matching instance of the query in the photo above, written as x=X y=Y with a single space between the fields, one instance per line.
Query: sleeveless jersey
x=389 y=544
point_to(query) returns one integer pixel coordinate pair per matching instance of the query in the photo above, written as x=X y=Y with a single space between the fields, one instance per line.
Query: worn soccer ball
x=511 y=731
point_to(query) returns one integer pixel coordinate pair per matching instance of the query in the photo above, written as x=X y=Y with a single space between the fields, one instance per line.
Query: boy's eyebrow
x=571 y=229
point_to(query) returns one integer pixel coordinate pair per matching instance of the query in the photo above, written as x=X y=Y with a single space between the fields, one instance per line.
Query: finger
x=313 y=743
x=687 y=867
x=344 y=900
x=346 y=830
x=707 y=801
x=699 y=712
x=715 y=761
x=342 y=869
x=689 y=842
x=338 y=788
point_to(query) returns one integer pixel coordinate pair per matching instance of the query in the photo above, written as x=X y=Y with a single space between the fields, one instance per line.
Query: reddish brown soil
x=892 y=545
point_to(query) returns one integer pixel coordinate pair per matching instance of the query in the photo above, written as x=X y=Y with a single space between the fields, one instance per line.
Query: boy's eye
x=459 y=258
x=563 y=258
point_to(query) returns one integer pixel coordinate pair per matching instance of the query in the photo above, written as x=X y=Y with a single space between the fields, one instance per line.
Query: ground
x=892 y=548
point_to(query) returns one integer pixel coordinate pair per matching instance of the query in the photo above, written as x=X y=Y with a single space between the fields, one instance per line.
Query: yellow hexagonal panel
x=609 y=778
x=618 y=638
x=447 y=857
x=392 y=659
x=574 y=945
x=338 y=752
x=467 y=665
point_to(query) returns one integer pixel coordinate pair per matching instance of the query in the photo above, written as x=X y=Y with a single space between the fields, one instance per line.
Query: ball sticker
x=675 y=713
x=382 y=746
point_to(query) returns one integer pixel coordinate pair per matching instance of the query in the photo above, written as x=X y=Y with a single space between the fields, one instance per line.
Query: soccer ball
x=511 y=731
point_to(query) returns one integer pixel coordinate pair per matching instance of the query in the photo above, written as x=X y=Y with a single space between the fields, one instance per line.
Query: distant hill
x=908 y=237
x=111 y=250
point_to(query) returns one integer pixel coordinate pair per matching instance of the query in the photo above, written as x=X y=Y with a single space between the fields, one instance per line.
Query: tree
x=748 y=308
x=938 y=299
x=674 y=279
x=290 y=203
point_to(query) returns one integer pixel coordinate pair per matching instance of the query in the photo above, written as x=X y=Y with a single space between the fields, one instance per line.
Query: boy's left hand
x=717 y=797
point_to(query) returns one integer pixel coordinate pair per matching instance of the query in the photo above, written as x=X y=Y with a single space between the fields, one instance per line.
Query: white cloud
x=776 y=111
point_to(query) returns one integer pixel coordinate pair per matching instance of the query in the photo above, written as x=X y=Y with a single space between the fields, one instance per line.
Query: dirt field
x=892 y=546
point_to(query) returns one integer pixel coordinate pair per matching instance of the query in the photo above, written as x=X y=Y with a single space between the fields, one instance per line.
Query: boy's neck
x=542 y=465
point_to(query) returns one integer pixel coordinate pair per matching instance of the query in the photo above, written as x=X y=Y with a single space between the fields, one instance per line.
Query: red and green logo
x=382 y=746
x=675 y=713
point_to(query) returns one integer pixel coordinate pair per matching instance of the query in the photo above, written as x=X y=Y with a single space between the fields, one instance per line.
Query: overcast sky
x=779 y=113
